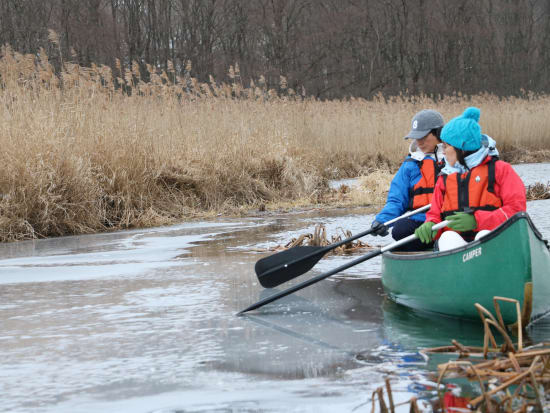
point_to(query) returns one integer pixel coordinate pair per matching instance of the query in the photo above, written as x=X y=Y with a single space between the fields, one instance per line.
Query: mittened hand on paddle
x=461 y=222
x=379 y=229
x=424 y=232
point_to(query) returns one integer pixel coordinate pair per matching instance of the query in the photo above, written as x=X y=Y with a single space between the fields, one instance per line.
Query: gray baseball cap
x=423 y=122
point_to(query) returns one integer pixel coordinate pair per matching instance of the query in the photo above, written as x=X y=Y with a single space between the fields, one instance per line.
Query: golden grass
x=88 y=149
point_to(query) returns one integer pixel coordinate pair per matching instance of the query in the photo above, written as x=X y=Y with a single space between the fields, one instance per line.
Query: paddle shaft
x=323 y=250
x=320 y=277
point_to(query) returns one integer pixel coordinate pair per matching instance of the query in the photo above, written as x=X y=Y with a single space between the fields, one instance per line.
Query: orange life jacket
x=471 y=191
x=421 y=193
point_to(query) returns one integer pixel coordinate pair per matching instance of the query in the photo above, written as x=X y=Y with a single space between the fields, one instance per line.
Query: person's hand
x=424 y=232
x=461 y=222
x=379 y=228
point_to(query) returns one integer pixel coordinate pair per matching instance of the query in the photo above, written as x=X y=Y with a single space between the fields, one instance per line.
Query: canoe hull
x=451 y=282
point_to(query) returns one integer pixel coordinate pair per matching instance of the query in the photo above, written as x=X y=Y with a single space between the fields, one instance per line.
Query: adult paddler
x=413 y=184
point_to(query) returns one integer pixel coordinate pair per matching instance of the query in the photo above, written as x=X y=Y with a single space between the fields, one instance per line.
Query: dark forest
x=334 y=48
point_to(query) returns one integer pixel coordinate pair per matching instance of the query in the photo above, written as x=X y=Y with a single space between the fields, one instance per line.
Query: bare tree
x=335 y=48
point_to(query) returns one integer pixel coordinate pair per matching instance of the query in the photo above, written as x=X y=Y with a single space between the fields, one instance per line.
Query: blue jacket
x=398 y=199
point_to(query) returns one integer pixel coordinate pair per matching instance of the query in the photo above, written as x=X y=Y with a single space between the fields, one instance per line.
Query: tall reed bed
x=90 y=149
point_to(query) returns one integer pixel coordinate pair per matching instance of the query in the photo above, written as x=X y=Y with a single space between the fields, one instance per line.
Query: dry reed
x=90 y=149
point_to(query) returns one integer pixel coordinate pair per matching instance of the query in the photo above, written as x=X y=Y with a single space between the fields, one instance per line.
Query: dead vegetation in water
x=510 y=377
x=389 y=407
x=90 y=149
x=319 y=238
x=538 y=191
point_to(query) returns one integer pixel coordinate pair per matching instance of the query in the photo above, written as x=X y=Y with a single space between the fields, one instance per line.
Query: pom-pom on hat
x=463 y=132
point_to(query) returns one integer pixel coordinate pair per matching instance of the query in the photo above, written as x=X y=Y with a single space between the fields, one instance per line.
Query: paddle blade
x=286 y=265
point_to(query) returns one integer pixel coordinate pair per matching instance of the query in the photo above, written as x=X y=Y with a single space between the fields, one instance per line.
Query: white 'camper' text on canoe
x=471 y=254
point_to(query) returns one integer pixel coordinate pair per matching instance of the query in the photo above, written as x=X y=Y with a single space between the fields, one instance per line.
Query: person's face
x=428 y=143
x=450 y=154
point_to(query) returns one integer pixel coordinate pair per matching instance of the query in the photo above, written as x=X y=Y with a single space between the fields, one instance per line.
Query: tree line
x=334 y=48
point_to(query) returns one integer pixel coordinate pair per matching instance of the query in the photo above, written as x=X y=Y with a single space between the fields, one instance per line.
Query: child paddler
x=476 y=192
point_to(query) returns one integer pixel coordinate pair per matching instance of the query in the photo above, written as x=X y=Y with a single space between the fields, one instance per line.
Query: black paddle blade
x=320 y=277
x=286 y=265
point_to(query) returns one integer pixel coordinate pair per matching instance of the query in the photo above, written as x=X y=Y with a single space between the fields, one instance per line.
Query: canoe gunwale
x=495 y=233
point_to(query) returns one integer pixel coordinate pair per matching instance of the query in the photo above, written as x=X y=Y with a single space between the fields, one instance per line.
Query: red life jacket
x=421 y=193
x=471 y=191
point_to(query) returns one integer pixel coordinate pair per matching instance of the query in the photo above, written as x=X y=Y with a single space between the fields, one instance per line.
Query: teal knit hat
x=464 y=132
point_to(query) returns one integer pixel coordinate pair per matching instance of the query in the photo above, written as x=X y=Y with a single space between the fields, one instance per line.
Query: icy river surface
x=144 y=321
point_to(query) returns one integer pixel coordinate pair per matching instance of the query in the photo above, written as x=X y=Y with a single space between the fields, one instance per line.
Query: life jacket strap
x=491 y=175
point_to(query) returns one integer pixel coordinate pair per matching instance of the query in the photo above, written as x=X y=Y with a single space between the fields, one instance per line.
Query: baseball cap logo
x=415 y=124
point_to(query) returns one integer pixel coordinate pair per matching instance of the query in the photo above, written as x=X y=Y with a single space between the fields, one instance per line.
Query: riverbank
x=89 y=150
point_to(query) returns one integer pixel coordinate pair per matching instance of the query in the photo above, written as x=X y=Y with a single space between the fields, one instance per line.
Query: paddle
x=320 y=277
x=286 y=265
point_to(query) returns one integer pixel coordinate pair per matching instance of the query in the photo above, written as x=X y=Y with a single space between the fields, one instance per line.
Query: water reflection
x=413 y=330
x=353 y=324
x=295 y=337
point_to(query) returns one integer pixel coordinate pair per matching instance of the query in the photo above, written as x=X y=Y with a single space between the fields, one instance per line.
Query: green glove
x=424 y=232
x=461 y=222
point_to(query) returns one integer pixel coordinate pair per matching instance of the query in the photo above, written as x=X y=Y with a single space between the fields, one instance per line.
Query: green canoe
x=512 y=261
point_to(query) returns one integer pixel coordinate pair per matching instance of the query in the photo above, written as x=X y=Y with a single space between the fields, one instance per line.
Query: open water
x=144 y=321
